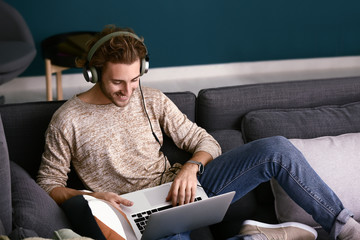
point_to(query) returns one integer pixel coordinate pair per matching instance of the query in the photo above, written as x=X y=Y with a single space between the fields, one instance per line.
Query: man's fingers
x=193 y=193
x=126 y=202
x=189 y=194
x=113 y=198
x=174 y=194
x=180 y=194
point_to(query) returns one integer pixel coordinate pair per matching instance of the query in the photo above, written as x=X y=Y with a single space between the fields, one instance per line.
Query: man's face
x=119 y=81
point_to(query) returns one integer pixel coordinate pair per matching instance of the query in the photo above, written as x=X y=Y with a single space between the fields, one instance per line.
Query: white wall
x=194 y=78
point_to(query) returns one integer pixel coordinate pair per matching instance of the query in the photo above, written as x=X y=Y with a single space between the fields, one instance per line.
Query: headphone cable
x=152 y=130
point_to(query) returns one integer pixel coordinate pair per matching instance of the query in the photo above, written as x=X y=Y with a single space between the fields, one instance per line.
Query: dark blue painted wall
x=187 y=32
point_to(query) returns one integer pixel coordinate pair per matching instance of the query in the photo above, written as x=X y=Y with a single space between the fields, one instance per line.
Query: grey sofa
x=233 y=115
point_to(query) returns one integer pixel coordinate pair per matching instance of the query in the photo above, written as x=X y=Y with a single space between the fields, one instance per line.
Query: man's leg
x=244 y=168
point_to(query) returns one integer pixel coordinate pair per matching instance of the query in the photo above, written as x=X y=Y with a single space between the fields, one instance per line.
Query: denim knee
x=279 y=148
x=277 y=144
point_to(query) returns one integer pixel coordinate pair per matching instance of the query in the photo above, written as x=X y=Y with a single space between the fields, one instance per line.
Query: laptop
x=151 y=217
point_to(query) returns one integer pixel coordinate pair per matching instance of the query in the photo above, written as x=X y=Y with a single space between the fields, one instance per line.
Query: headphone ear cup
x=86 y=73
x=144 y=65
x=90 y=74
x=95 y=75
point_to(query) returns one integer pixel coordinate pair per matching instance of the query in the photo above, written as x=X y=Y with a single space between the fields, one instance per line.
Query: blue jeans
x=244 y=168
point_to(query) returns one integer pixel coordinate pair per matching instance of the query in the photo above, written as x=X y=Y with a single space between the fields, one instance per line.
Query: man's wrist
x=199 y=164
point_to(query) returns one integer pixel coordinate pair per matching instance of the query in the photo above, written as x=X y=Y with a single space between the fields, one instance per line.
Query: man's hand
x=61 y=194
x=183 y=189
x=113 y=198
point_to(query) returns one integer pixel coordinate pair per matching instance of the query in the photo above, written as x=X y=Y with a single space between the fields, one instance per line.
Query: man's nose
x=127 y=88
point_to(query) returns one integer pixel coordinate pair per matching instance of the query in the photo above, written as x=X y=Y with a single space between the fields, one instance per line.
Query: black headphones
x=91 y=74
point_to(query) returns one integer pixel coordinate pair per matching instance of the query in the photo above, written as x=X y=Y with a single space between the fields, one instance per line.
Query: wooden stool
x=60 y=52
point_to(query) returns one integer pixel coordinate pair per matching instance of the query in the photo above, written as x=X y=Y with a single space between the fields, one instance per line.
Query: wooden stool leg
x=59 y=90
x=48 y=71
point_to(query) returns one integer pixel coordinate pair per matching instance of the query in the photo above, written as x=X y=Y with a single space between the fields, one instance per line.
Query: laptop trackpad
x=159 y=196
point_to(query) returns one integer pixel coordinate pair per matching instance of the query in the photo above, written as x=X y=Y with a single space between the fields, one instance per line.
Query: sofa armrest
x=5 y=187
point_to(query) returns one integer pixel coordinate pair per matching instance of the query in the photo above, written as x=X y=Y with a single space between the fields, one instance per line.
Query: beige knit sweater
x=112 y=148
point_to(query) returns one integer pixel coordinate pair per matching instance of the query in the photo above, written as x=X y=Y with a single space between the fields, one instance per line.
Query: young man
x=112 y=135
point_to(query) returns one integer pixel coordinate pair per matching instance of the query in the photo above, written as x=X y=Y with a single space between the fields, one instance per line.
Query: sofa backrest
x=223 y=108
x=25 y=125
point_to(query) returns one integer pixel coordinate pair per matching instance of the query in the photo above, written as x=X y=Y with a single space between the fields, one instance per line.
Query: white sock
x=351 y=230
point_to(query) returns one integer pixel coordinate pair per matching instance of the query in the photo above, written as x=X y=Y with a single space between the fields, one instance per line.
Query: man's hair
x=119 y=49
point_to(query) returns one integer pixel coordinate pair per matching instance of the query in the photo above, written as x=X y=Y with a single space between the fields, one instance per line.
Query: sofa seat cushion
x=302 y=122
x=33 y=208
x=336 y=160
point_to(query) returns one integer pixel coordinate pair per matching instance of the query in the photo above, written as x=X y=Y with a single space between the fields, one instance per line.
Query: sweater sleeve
x=55 y=164
x=186 y=134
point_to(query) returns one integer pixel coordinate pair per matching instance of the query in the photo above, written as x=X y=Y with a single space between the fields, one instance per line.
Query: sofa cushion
x=68 y=234
x=33 y=208
x=5 y=188
x=336 y=160
x=302 y=122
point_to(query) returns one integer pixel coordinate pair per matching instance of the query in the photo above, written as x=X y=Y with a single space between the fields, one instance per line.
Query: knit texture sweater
x=112 y=148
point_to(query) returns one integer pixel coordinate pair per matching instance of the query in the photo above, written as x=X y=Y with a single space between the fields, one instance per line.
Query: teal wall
x=191 y=32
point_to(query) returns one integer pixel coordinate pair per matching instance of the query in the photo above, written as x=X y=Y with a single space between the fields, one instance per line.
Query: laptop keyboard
x=142 y=218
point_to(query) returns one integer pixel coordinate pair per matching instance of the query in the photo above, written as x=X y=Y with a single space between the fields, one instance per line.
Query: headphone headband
x=102 y=40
